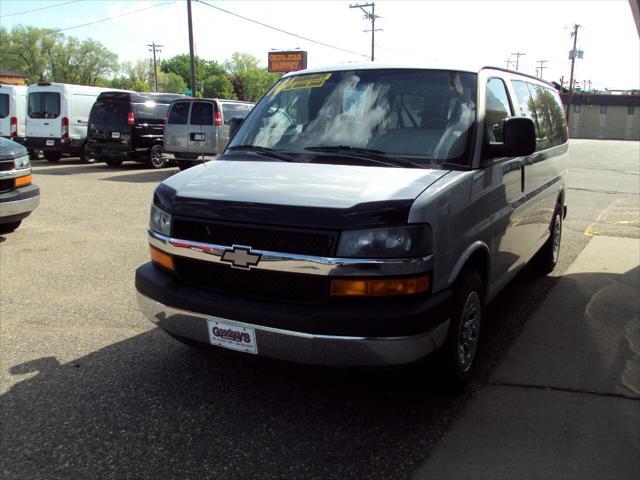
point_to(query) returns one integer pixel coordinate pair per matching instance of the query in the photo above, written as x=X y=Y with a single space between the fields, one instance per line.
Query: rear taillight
x=65 y=127
x=13 y=132
x=131 y=118
x=217 y=119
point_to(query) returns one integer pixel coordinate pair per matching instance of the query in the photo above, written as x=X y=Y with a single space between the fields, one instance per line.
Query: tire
x=156 y=157
x=83 y=155
x=9 y=227
x=36 y=154
x=113 y=162
x=53 y=156
x=547 y=257
x=461 y=345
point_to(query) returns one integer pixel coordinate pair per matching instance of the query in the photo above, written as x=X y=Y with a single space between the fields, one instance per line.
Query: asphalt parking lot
x=90 y=389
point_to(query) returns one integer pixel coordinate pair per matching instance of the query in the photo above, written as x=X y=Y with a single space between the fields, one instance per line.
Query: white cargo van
x=57 y=118
x=13 y=105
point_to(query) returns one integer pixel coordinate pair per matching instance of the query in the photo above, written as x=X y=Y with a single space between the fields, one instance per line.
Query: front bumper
x=338 y=335
x=19 y=203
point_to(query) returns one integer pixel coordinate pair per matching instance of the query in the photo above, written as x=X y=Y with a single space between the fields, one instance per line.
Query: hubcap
x=557 y=232
x=156 y=157
x=469 y=331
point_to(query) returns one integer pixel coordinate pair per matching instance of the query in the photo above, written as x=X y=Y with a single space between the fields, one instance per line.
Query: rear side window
x=109 y=113
x=4 y=105
x=231 y=110
x=150 y=110
x=44 y=105
x=201 y=113
x=497 y=110
x=179 y=113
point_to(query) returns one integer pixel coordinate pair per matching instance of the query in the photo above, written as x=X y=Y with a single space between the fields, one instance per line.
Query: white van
x=57 y=118
x=13 y=106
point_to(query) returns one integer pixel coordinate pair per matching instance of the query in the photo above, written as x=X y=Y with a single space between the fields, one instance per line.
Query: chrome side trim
x=8 y=209
x=292 y=263
x=328 y=350
x=15 y=173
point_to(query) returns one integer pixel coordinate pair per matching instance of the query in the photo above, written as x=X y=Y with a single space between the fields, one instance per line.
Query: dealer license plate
x=232 y=336
x=49 y=143
x=115 y=134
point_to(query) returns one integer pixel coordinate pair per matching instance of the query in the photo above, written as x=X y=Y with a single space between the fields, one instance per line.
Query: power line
x=114 y=17
x=282 y=31
x=518 y=55
x=38 y=9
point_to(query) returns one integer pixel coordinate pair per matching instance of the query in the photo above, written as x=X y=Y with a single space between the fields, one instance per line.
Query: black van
x=129 y=126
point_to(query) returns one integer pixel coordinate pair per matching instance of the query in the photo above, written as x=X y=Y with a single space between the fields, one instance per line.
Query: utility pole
x=372 y=17
x=192 y=66
x=508 y=63
x=572 y=55
x=518 y=55
x=155 y=48
x=541 y=66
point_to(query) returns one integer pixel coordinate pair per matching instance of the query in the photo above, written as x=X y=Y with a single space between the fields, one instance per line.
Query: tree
x=26 y=49
x=250 y=81
x=171 y=83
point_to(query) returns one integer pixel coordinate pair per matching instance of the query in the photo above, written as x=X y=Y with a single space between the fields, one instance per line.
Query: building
x=12 y=78
x=604 y=116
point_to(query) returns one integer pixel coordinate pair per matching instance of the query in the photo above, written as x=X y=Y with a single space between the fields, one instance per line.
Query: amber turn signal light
x=22 y=181
x=161 y=259
x=379 y=287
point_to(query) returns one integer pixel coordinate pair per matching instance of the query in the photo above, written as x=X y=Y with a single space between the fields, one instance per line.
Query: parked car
x=362 y=216
x=129 y=126
x=198 y=129
x=57 y=118
x=18 y=196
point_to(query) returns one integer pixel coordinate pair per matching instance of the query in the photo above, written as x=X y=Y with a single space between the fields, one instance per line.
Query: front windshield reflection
x=425 y=115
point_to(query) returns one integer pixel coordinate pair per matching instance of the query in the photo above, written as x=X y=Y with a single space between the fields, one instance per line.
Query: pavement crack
x=608 y=192
x=564 y=389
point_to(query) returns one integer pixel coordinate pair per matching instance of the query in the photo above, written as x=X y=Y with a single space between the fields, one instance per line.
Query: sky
x=427 y=32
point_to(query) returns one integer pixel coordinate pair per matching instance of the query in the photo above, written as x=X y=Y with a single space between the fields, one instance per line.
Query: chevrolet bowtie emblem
x=241 y=257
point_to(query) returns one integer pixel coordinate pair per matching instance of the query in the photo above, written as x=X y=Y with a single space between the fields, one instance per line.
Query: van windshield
x=44 y=105
x=109 y=113
x=423 y=115
x=4 y=105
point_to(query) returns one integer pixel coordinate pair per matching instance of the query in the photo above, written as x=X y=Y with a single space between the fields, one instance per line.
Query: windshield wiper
x=265 y=151
x=375 y=156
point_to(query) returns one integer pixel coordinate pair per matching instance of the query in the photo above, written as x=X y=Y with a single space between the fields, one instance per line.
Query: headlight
x=22 y=162
x=160 y=221
x=395 y=242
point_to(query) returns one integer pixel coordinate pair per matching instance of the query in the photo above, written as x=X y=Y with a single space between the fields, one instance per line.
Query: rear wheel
x=550 y=252
x=461 y=345
x=156 y=157
x=84 y=158
x=52 y=156
x=112 y=162
x=9 y=227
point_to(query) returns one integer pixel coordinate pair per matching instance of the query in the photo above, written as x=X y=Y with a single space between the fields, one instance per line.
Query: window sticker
x=303 y=81
x=352 y=102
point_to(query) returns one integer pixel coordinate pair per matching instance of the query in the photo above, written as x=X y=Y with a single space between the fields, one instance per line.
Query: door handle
x=522 y=177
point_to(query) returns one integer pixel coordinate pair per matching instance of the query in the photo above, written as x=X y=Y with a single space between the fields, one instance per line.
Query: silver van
x=362 y=215
x=196 y=130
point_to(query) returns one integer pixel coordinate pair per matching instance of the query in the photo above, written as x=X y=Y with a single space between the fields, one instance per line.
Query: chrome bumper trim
x=8 y=209
x=15 y=173
x=292 y=263
x=327 y=350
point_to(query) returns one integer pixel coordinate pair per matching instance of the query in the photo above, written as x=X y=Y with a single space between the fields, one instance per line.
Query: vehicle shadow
x=146 y=176
x=149 y=407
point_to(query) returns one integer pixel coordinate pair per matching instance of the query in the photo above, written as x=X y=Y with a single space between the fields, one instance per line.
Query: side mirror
x=519 y=139
x=234 y=125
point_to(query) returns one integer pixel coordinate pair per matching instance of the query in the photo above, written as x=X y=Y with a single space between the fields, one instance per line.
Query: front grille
x=7 y=166
x=6 y=184
x=301 y=242
x=280 y=286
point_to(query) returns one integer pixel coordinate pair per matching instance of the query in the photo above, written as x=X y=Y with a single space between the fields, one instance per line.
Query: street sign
x=283 y=62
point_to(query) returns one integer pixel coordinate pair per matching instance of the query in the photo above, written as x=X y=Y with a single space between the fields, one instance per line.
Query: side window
x=497 y=110
x=231 y=110
x=576 y=108
x=201 y=113
x=179 y=113
x=527 y=106
x=555 y=110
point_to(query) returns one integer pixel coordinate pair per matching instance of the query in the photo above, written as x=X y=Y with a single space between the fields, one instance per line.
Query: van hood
x=232 y=190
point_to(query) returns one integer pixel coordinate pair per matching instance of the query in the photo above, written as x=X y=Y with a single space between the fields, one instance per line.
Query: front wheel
x=113 y=162
x=156 y=157
x=461 y=345
x=84 y=158
x=550 y=252
x=53 y=156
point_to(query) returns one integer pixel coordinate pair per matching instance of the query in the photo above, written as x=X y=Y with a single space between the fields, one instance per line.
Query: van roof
x=460 y=67
x=141 y=97
x=193 y=99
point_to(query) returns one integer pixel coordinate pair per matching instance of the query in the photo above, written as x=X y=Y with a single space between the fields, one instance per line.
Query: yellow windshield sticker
x=303 y=81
